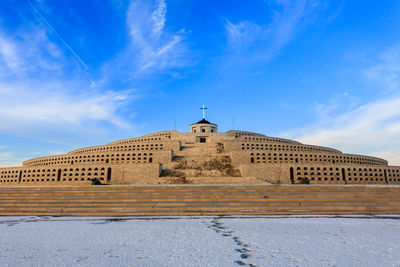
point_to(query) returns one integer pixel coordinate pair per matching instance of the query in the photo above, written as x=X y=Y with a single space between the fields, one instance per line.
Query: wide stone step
x=205 y=198
x=213 y=206
x=198 y=196
x=205 y=190
x=221 y=205
x=193 y=213
x=198 y=200
x=194 y=188
x=73 y=197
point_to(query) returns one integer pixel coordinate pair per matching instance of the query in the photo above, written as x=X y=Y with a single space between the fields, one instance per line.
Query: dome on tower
x=203 y=126
x=203 y=121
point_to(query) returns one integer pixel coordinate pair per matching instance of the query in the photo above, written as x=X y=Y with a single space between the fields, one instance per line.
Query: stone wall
x=138 y=160
x=275 y=174
x=349 y=174
x=322 y=173
x=277 y=156
x=78 y=174
x=136 y=173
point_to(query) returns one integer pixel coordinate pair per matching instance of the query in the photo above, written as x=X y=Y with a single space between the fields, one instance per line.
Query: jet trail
x=58 y=35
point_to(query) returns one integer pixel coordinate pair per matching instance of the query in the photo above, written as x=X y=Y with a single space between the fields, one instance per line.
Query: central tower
x=203 y=126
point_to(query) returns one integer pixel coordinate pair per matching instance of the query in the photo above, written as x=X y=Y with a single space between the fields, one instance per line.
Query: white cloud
x=29 y=52
x=264 y=41
x=43 y=88
x=392 y=154
x=4 y=156
x=9 y=54
x=371 y=128
x=387 y=71
x=8 y=159
x=244 y=33
x=158 y=17
x=153 y=48
x=53 y=106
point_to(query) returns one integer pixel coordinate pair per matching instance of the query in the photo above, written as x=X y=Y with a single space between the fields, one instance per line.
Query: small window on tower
x=203 y=130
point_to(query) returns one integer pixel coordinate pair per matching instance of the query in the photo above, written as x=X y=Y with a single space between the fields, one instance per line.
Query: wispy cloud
x=371 y=125
x=52 y=105
x=9 y=54
x=45 y=92
x=8 y=159
x=387 y=70
x=372 y=128
x=5 y=156
x=43 y=89
x=264 y=41
x=57 y=34
x=153 y=48
x=29 y=53
x=158 y=17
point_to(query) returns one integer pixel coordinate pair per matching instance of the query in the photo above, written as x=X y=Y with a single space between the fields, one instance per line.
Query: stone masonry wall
x=139 y=160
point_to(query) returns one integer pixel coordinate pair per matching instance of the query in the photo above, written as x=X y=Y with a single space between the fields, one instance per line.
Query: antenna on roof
x=203 y=108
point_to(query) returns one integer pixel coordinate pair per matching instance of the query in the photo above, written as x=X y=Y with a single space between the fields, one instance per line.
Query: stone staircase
x=201 y=160
x=174 y=200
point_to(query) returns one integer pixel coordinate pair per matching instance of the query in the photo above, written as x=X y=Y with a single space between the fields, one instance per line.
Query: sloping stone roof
x=204 y=121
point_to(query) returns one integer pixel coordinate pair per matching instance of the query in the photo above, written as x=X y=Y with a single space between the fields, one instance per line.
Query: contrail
x=58 y=35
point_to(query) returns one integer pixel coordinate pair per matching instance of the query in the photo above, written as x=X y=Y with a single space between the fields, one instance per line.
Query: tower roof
x=204 y=121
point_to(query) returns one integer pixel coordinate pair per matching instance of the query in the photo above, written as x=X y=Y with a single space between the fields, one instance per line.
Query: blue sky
x=80 y=73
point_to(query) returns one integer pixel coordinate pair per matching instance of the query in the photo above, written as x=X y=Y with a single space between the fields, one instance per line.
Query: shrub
x=304 y=180
x=96 y=181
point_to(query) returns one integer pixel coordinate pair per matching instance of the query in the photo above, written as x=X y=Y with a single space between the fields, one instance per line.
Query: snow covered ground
x=201 y=241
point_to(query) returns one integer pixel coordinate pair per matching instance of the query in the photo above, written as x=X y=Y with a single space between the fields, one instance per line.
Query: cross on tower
x=203 y=108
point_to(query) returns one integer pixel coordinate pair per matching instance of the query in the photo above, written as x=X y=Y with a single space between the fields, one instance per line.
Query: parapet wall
x=274 y=157
x=322 y=174
x=79 y=174
x=127 y=153
x=272 y=146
